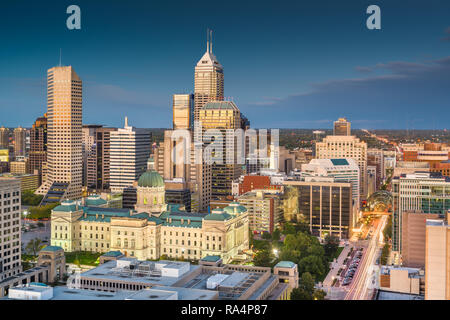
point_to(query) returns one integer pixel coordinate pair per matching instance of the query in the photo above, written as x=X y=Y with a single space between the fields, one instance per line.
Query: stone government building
x=153 y=229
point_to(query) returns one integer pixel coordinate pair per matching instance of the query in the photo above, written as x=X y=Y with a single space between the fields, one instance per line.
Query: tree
x=266 y=236
x=276 y=235
x=264 y=258
x=313 y=265
x=306 y=289
x=288 y=228
x=34 y=246
x=31 y=199
x=387 y=231
x=331 y=244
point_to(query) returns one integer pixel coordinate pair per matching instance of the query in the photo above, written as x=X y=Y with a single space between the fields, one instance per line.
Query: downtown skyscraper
x=64 y=135
x=208 y=79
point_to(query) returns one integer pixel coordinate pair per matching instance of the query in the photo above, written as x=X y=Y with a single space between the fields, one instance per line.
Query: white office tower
x=130 y=150
x=340 y=147
x=10 y=232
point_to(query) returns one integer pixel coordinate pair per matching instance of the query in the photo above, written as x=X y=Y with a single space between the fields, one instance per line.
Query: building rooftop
x=211 y=258
x=51 y=248
x=285 y=264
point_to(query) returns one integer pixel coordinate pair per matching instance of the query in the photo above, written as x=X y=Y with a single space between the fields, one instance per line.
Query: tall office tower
x=10 y=231
x=38 y=145
x=208 y=79
x=437 y=257
x=64 y=110
x=337 y=147
x=130 y=150
x=4 y=138
x=19 y=142
x=180 y=175
x=342 y=170
x=183 y=111
x=341 y=127
x=96 y=150
x=223 y=116
x=423 y=192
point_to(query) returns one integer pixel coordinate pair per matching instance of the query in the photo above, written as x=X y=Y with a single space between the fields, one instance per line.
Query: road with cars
x=365 y=275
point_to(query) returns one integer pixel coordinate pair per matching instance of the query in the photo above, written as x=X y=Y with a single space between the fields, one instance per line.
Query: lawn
x=83 y=257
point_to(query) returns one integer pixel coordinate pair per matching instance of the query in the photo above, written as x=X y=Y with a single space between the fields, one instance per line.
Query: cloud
x=363 y=69
x=399 y=93
x=447 y=32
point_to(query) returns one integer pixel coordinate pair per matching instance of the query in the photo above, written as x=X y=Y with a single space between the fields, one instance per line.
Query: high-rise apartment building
x=264 y=210
x=183 y=111
x=96 y=149
x=420 y=192
x=338 y=147
x=341 y=127
x=38 y=145
x=19 y=142
x=208 y=79
x=64 y=110
x=4 y=138
x=225 y=117
x=130 y=151
x=10 y=231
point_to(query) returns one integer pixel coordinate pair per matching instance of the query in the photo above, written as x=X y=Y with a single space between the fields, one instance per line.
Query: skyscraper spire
x=211 y=42
x=207 y=39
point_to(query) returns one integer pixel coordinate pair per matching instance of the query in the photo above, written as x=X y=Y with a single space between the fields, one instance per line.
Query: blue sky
x=288 y=64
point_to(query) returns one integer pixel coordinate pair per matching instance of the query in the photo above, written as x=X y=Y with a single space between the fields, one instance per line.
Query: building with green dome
x=150 y=193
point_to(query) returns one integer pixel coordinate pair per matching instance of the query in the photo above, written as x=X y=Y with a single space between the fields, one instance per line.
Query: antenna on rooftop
x=210 y=33
x=207 y=39
x=60 y=54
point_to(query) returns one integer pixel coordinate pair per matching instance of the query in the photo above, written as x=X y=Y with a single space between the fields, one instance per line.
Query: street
x=366 y=277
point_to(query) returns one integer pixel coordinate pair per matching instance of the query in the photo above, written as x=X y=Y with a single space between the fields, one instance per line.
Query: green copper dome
x=151 y=179
x=235 y=208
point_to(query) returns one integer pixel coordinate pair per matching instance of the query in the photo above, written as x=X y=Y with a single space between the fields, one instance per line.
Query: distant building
x=339 y=147
x=437 y=269
x=424 y=192
x=402 y=280
x=10 y=249
x=130 y=150
x=441 y=167
x=64 y=123
x=153 y=229
x=183 y=111
x=96 y=147
x=264 y=210
x=19 y=142
x=342 y=170
x=4 y=138
x=324 y=204
x=19 y=167
x=341 y=127
x=208 y=80
x=38 y=146
x=414 y=237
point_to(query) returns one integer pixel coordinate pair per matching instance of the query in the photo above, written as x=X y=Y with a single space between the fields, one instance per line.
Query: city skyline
x=373 y=78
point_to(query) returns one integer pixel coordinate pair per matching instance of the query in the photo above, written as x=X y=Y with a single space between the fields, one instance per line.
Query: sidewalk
x=335 y=266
